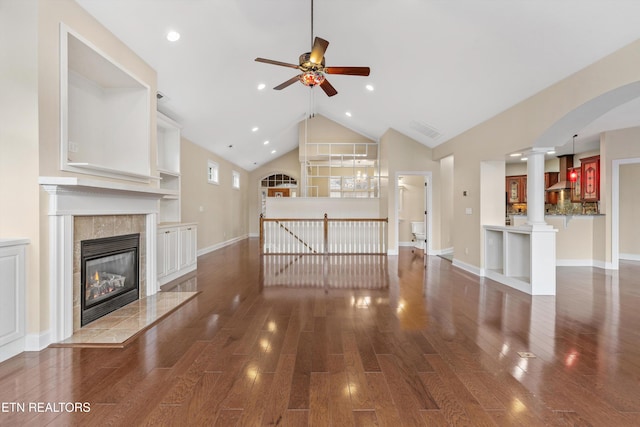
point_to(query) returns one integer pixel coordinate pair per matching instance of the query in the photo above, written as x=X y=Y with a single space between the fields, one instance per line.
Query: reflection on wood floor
x=331 y=271
x=437 y=346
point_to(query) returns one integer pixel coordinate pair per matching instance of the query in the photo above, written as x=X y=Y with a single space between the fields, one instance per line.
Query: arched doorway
x=277 y=185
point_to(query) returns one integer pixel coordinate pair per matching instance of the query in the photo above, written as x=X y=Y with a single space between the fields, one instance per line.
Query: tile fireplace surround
x=95 y=227
x=82 y=208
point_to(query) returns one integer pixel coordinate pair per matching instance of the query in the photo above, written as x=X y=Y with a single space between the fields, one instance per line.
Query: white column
x=535 y=188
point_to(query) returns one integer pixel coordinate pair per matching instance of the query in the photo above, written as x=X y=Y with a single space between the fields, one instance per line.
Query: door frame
x=428 y=180
x=614 y=264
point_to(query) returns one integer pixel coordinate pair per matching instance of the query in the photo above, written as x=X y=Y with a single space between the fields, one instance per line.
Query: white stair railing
x=327 y=236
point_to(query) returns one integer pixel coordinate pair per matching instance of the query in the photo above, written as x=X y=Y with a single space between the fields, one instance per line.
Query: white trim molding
x=221 y=245
x=70 y=197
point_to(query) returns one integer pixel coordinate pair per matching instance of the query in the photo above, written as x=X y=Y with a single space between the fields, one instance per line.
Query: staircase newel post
x=326 y=234
x=261 y=234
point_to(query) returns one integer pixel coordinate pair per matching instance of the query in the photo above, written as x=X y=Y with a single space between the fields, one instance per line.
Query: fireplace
x=109 y=275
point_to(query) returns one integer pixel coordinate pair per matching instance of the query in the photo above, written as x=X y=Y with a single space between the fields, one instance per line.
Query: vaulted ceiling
x=438 y=67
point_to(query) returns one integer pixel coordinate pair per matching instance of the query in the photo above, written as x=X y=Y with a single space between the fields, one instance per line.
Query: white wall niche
x=104 y=113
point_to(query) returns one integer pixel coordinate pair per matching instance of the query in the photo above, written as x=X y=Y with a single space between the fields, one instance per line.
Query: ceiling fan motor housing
x=306 y=64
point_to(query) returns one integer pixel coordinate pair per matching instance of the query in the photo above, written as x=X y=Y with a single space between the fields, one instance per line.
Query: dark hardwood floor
x=435 y=346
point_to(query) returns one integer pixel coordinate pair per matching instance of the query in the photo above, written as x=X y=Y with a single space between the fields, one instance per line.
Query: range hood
x=566 y=163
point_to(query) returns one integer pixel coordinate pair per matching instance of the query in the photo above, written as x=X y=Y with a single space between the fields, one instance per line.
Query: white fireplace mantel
x=74 y=196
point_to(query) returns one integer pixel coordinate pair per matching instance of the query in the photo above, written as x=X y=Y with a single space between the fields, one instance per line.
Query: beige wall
x=225 y=210
x=321 y=129
x=399 y=154
x=446 y=203
x=51 y=14
x=288 y=164
x=629 y=209
x=614 y=145
x=528 y=124
x=19 y=192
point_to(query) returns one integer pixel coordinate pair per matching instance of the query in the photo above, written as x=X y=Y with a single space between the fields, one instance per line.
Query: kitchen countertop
x=551 y=214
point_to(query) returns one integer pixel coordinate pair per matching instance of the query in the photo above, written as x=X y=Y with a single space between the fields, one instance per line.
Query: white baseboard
x=254 y=234
x=392 y=252
x=10 y=349
x=221 y=245
x=581 y=263
x=629 y=257
x=36 y=342
x=406 y=243
x=467 y=267
x=445 y=251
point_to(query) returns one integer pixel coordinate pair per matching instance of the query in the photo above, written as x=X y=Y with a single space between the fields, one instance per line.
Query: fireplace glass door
x=109 y=275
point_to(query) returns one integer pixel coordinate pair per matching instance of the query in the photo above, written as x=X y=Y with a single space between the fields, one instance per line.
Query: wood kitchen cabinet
x=590 y=179
x=576 y=187
x=516 y=187
x=550 y=178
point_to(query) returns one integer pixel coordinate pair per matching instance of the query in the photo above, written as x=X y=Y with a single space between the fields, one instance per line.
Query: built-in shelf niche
x=105 y=114
x=168 y=165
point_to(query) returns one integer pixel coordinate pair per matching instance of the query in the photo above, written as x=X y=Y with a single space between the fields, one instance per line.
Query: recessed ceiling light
x=266 y=142
x=369 y=88
x=551 y=152
x=173 y=36
x=261 y=86
x=516 y=154
x=273 y=151
x=348 y=113
x=255 y=129
x=524 y=159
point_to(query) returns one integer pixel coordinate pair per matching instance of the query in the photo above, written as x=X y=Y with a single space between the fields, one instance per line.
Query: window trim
x=213 y=166
x=235 y=179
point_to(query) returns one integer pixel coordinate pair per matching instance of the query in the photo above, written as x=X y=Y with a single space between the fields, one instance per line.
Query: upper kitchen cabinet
x=590 y=177
x=105 y=114
x=550 y=178
x=516 y=189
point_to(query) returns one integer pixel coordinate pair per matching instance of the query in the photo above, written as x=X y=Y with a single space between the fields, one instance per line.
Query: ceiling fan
x=312 y=65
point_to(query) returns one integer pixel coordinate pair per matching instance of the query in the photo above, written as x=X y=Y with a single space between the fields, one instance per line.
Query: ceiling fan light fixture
x=311 y=78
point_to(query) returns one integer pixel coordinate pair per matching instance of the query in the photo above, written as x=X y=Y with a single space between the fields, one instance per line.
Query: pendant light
x=573 y=175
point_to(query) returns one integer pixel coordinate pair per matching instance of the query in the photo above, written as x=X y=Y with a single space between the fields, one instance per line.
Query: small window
x=213 y=172
x=236 y=179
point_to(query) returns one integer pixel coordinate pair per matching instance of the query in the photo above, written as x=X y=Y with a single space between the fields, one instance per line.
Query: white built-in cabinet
x=521 y=257
x=177 y=249
x=168 y=166
x=176 y=242
x=12 y=297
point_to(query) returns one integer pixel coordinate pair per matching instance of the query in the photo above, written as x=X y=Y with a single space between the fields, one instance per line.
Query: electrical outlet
x=466 y=251
x=72 y=147
x=201 y=209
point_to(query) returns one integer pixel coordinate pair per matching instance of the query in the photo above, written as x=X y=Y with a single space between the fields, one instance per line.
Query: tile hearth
x=119 y=328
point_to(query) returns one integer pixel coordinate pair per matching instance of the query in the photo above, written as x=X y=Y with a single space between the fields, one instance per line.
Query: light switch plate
x=468 y=211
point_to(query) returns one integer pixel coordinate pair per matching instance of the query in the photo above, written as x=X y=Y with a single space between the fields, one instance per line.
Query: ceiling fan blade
x=282 y=64
x=317 y=52
x=327 y=88
x=350 y=71
x=289 y=82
